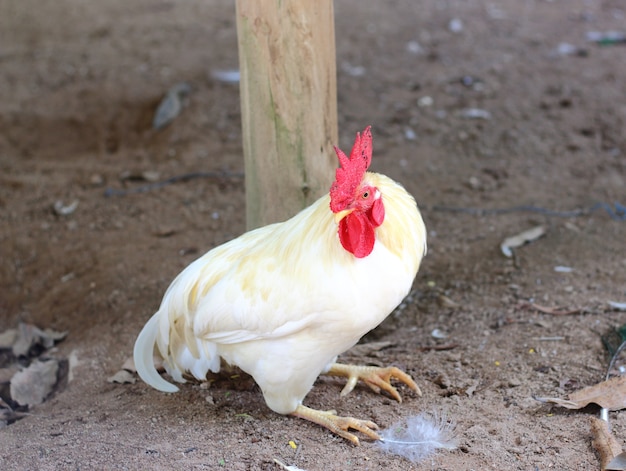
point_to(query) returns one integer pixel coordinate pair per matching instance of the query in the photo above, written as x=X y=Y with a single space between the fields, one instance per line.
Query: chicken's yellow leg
x=338 y=425
x=377 y=378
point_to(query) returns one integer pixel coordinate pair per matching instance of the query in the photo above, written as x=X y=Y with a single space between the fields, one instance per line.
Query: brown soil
x=79 y=85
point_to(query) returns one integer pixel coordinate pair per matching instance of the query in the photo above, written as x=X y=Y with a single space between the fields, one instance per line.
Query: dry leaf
x=7 y=338
x=471 y=389
x=32 y=385
x=4 y=404
x=604 y=443
x=30 y=336
x=23 y=387
x=122 y=377
x=24 y=340
x=171 y=105
x=50 y=337
x=554 y=311
x=8 y=416
x=129 y=365
x=7 y=373
x=366 y=349
x=610 y=394
x=72 y=363
x=445 y=301
x=521 y=239
x=618 y=463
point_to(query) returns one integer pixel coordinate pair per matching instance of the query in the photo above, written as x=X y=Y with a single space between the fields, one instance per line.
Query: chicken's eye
x=366 y=195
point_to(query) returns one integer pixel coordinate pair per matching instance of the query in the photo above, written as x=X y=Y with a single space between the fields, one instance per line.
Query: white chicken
x=283 y=301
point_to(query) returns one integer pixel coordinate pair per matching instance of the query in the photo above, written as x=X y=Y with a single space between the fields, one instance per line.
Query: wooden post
x=288 y=104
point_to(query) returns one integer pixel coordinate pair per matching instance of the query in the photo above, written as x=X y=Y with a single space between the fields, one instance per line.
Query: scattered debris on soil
x=28 y=374
x=609 y=394
x=172 y=104
x=520 y=239
x=610 y=452
x=81 y=84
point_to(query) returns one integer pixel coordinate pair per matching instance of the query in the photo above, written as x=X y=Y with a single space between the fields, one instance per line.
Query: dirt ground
x=79 y=84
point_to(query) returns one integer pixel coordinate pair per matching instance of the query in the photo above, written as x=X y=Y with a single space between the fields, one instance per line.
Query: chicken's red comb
x=348 y=177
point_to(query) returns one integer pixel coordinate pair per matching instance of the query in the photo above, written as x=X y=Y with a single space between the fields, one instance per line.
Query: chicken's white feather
x=418 y=437
x=144 y=356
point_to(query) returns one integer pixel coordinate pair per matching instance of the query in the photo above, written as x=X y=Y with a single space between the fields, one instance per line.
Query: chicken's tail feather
x=144 y=357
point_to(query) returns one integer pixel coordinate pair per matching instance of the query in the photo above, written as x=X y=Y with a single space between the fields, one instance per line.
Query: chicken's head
x=357 y=205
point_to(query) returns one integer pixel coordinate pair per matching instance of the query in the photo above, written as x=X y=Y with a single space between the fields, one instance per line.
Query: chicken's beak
x=342 y=214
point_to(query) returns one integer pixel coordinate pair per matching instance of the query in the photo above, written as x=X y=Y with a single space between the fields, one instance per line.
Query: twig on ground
x=553 y=311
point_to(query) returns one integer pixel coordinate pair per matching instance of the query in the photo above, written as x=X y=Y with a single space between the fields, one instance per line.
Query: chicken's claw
x=377 y=378
x=337 y=424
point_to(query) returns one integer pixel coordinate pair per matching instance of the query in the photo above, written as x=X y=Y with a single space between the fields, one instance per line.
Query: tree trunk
x=288 y=104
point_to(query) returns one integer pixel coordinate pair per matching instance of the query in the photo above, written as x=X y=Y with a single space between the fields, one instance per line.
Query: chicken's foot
x=337 y=424
x=377 y=378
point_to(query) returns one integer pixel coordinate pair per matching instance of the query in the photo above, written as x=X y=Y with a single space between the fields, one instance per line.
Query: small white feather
x=418 y=437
